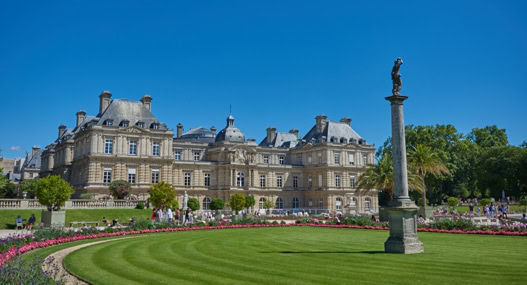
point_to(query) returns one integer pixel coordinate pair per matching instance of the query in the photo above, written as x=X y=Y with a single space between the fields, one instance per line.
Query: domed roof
x=230 y=133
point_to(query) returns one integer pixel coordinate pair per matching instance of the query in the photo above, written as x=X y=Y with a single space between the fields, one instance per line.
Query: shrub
x=85 y=196
x=217 y=204
x=523 y=202
x=268 y=205
x=140 y=205
x=484 y=202
x=9 y=190
x=452 y=201
x=193 y=204
x=237 y=202
x=274 y=223
x=120 y=189
x=249 y=202
x=175 y=204
x=360 y=221
x=282 y=223
x=161 y=195
x=446 y=224
x=53 y=191
x=30 y=186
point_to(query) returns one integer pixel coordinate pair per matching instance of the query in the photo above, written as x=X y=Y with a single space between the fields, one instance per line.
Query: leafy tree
x=268 y=205
x=175 y=204
x=452 y=202
x=489 y=136
x=30 y=187
x=162 y=195
x=9 y=190
x=120 y=189
x=217 y=204
x=524 y=144
x=249 y=202
x=426 y=162
x=484 y=202
x=237 y=202
x=3 y=180
x=53 y=192
x=193 y=204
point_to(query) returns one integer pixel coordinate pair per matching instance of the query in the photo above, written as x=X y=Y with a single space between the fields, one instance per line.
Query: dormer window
x=108 y=122
x=140 y=124
x=154 y=126
x=124 y=123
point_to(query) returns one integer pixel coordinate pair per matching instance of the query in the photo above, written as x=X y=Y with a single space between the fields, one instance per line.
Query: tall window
x=132 y=149
x=155 y=176
x=279 y=181
x=107 y=176
x=295 y=181
x=364 y=158
x=261 y=203
x=177 y=155
x=197 y=155
x=351 y=158
x=282 y=159
x=310 y=203
x=240 y=179
x=279 y=203
x=131 y=175
x=299 y=158
x=266 y=158
x=367 y=204
x=206 y=203
x=262 y=181
x=338 y=203
x=352 y=181
x=321 y=203
x=207 y=179
x=155 y=149
x=337 y=157
x=309 y=181
x=187 y=179
x=319 y=157
x=320 y=180
x=337 y=180
x=296 y=203
x=309 y=159
x=108 y=146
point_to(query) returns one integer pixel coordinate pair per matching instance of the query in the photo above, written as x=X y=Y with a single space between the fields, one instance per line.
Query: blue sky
x=277 y=63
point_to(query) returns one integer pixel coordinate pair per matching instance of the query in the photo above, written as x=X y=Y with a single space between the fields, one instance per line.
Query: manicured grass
x=7 y=217
x=300 y=255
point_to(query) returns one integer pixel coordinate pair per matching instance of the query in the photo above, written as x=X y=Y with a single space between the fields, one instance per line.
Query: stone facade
x=125 y=141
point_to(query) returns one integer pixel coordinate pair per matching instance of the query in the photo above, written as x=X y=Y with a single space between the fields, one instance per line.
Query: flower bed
x=28 y=243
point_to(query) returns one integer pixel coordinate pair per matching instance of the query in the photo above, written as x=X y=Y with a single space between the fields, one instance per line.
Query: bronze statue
x=396 y=77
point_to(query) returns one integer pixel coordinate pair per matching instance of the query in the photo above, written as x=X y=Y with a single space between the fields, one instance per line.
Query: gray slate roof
x=287 y=140
x=200 y=134
x=230 y=133
x=33 y=161
x=132 y=111
x=334 y=132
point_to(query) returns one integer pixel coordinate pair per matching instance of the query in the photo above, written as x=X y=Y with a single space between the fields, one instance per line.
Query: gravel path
x=58 y=261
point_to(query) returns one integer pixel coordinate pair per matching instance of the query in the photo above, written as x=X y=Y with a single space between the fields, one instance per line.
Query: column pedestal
x=403 y=231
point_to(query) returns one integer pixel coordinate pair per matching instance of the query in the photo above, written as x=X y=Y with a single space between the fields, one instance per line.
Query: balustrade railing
x=70 y=204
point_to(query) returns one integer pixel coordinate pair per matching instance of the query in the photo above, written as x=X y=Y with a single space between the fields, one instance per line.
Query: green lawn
x=300 y=255
x=7 y=217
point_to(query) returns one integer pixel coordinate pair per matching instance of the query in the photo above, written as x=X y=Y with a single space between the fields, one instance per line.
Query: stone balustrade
x=71 y=204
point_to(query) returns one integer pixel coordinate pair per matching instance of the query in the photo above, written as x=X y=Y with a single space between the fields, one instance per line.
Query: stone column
x=402 y=211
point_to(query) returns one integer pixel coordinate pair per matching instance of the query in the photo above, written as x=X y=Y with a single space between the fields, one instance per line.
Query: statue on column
x=185 y=200
x=396 y=77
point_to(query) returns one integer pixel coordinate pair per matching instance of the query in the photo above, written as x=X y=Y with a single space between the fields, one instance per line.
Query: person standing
x=170 y=215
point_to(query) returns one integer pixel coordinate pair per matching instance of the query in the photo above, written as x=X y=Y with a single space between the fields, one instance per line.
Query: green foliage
x=193 y=204
x=217 y=204
x=86 y=196
x=120 y=189
x=175 y=204
x=30 y=186
x=489 y=136
x=249 y=202
x=361 y=221
x=452 y=201
x=447 y=224
x=9 y=190
x=53 y=191
x=237 y=202
x=268 y=204
x=484 y=202
x=140 y=205
x=523 y=202
x=161 y=195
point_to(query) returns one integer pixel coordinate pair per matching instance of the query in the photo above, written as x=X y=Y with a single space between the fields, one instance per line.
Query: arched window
x=296 y=203
x=240 y=179
x=279 y=203
x=338 y=203
x=321 y=203
x=353 y=203
x=367 y=203
x=261 y=203
x=206 y=203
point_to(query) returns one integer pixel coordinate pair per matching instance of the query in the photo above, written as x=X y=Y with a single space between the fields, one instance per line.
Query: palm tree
x=380 y=176
x=426 y=161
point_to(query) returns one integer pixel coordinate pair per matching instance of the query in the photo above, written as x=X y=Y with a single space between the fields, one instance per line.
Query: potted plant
x=53 y=192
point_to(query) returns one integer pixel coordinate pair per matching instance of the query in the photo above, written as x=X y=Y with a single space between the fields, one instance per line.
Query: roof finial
x=230 y=109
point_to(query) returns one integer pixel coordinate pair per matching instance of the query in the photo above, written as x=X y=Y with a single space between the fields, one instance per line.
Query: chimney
x=147 y=102
x=213 y=130
x=179 y=130
x=321 y=123
x=104 y=100
x=346 y=120
x=294 y=132
x=62 y=130
x=80 y=117
x=271 y=134
x=34 y=149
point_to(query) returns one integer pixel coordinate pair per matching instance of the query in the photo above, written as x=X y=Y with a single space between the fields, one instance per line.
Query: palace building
x=125 y=141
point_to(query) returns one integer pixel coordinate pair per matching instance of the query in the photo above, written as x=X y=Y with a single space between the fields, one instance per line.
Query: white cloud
x=16 y=148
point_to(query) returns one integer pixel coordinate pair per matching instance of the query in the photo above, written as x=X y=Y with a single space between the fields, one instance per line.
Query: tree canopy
x=217 y=204
x=193 y=204
x=53 y=192
x=120 y=189
x=237 y=202
x=162 y=195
